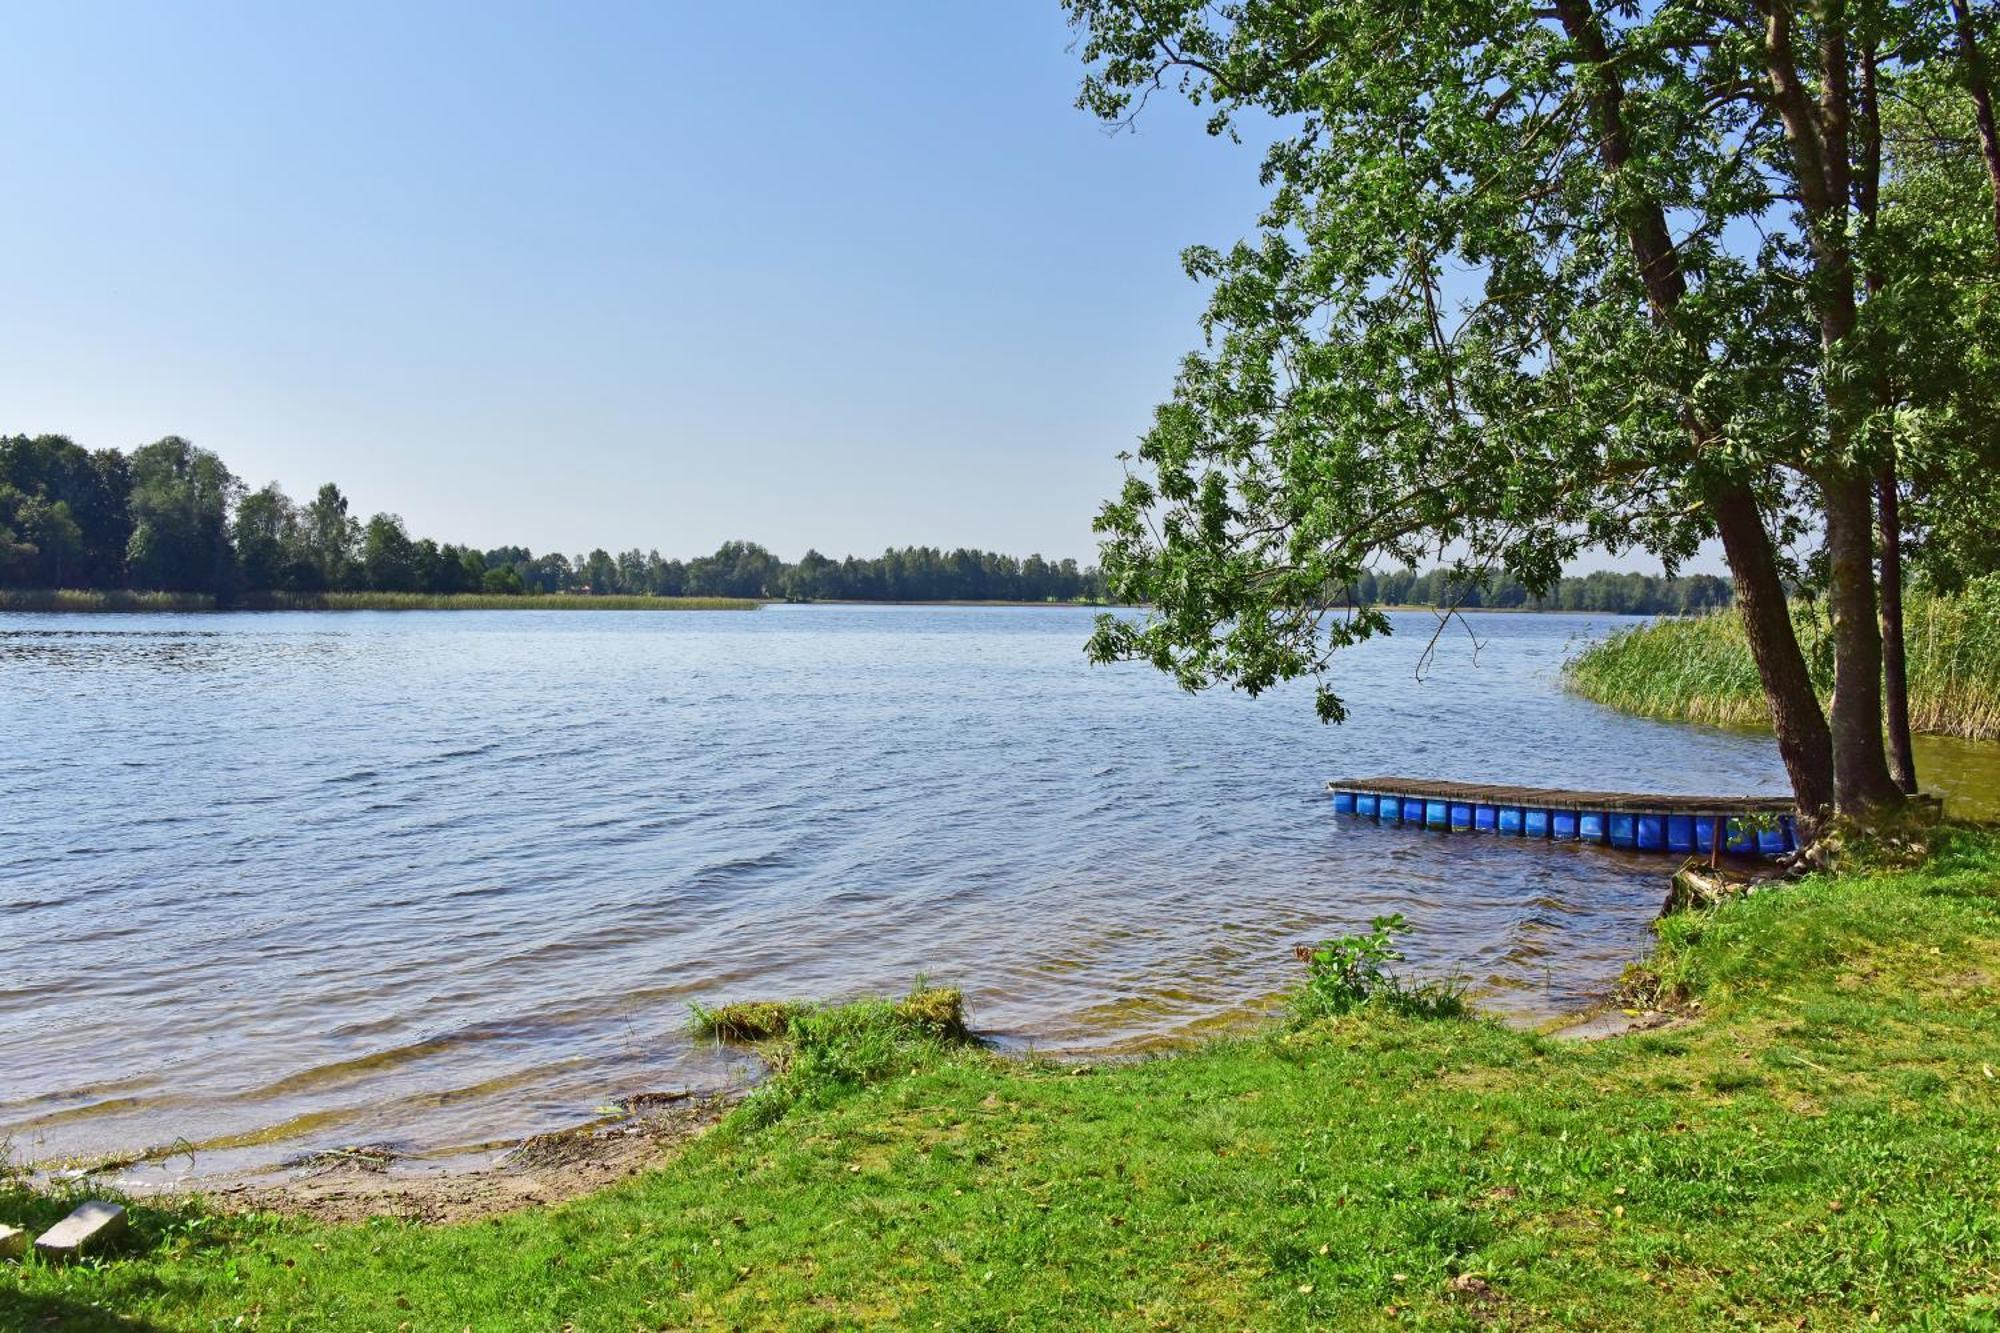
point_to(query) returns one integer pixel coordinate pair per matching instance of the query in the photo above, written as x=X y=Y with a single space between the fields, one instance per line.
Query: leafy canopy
x=1438 y=341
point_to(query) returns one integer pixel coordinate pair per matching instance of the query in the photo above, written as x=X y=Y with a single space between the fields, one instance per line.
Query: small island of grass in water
x=1816 y=1134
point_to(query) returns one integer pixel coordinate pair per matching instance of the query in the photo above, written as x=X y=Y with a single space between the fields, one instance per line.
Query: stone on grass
x=89 y=1226
x=13 y=1242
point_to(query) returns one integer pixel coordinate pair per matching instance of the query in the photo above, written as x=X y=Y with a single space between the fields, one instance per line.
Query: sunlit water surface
x=272 y=883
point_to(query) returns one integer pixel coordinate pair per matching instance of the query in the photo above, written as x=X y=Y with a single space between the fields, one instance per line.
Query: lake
x=274 y=883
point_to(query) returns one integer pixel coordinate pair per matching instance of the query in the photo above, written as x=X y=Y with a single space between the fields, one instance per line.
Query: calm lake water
x=273 y=883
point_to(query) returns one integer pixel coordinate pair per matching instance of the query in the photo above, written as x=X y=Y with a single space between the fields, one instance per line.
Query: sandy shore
x=351 y=1184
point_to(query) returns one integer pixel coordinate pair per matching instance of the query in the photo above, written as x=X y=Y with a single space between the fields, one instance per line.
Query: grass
x=84 y=599
x=928 y=1011
x=1816 y=1149
x=1699 y=670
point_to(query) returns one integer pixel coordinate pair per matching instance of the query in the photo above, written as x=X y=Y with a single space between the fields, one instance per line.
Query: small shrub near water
x=1344 y=974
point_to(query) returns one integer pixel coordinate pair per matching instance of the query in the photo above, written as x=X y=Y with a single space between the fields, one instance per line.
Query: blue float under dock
x=1744 y=825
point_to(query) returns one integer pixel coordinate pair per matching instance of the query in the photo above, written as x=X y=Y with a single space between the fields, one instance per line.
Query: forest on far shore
x=171 y=517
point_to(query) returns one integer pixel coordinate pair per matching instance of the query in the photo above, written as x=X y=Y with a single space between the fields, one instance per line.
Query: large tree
x=331 y=537
x=266 y=535
x=1533 y=277
x=389 y=560
x=75 y=521
x=180 y=505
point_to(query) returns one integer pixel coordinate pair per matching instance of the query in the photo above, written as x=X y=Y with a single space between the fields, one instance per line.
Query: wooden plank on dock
x=1558 y=798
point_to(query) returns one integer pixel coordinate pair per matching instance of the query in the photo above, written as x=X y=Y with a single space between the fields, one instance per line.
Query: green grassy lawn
x=1818 y=1148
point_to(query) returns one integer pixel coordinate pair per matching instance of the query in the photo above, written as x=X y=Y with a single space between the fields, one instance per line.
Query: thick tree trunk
x=1861 y=781
x=1981 y=89
x=1895 y=668
x=1804 y=742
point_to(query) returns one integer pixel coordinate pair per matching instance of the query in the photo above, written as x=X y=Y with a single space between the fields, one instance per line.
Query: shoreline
x=351 y=1183
x=69 y=601
x=355 y=1184
x=1823 y=1076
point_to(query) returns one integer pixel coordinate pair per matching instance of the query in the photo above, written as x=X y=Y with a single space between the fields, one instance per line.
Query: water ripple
x=284 y=880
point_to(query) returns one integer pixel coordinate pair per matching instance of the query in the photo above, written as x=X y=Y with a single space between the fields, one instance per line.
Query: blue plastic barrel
x=1461 y=817
x=1562 y=825
x=1652 y=833
x=1771 y=841
x=1413 y=810
x=1485 y=818
x=1509 y=820
x=1680 y=833
x=1742 y=838
x=1343 y=802
x=1364 y=804
x=1791 y=828
x=1435 y=814
x=1704 y=834
x=1535 y=823
x=1590 y=825
x=1389 y=809
x=1624 y=829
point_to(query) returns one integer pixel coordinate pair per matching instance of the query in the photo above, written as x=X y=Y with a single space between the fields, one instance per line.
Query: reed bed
x=477 y=601
x=101 y=599
x=1699 y=669
x=122 y=599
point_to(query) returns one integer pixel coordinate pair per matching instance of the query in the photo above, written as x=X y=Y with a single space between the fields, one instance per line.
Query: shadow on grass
x=31 y=1311
x=27 y=1303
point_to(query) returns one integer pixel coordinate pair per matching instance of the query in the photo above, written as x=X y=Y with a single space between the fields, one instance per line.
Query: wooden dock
x=1705 y=825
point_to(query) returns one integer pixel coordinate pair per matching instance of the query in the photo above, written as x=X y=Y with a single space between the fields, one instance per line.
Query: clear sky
x=832 y=275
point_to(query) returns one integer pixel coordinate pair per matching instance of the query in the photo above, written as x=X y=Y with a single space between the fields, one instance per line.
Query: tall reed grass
x=479 y=601
x=101 y=599
x=1700 y=670
x=120 y=599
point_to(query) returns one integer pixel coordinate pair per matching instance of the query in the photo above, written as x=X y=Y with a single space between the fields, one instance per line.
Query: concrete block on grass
x=89 y=1227
x=13 y=1242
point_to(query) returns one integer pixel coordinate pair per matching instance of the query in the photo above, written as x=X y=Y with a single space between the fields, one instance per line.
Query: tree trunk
x=1820 y=139
x=1861 y=781
x=1804 y=743
x=1895 y=676
x=1981 y=89
x=1803 y=740
x=1895 y=669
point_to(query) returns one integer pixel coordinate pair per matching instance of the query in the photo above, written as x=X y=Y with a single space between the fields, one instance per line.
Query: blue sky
x=840 y=276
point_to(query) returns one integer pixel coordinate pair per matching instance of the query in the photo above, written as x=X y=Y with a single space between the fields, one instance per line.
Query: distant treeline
x=171 y=518
x=1626 y=594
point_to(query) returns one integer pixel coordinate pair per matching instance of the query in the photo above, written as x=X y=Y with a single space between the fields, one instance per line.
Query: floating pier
x=1682 y=825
